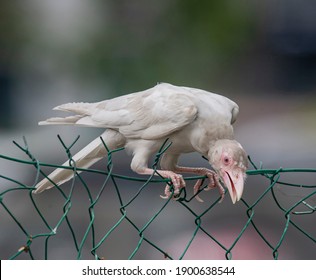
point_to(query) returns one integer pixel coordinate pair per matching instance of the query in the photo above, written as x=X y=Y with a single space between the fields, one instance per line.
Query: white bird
x=192 y=119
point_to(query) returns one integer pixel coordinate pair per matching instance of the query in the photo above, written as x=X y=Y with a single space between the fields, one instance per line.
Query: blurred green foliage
x=183 y=42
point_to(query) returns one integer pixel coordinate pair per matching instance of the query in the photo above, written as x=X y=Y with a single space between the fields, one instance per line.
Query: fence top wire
x=96 y=241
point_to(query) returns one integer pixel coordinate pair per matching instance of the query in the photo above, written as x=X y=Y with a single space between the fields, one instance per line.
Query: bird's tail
x=82 y=111
x=86 y=157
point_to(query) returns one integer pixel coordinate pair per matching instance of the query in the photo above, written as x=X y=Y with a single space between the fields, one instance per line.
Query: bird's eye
x=226 y=160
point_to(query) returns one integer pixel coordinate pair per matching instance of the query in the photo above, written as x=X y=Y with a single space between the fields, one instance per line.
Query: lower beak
x=234 y=182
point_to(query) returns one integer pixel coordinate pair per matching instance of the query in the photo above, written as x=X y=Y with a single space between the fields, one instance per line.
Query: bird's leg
x=210 y=174
x=176 y=179
x=139 y=164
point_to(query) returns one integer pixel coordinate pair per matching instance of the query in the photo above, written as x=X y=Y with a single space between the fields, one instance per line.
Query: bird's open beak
x=234 y=181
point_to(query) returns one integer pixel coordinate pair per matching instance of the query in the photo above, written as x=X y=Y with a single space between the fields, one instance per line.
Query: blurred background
x=261 y=54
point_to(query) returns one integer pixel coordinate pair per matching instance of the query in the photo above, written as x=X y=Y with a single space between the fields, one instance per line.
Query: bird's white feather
x=191 y=118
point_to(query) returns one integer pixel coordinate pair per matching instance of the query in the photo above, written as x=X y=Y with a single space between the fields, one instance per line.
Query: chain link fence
x=123 y=217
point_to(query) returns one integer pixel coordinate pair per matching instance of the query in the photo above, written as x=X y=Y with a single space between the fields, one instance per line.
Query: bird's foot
x=213 y=183
x=177 y=182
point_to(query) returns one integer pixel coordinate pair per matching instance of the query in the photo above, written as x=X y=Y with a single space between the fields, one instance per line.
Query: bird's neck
x=212 y=146
x=204 y=147
x=206 y=138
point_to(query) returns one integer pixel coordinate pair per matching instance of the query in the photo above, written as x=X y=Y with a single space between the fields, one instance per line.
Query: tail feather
x=81 y=108
x=83 y=113
x=58 y=120
x=88 y=156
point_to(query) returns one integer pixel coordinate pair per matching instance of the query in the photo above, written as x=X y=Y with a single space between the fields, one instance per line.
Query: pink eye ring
x=226 y=160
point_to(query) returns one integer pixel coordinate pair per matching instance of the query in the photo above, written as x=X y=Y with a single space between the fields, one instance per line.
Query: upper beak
x=234 y=181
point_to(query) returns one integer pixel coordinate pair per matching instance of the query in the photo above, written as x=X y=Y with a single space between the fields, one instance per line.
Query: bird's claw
x=177 y=182
x=169 y=193
x=213 y=183
x=196 y=189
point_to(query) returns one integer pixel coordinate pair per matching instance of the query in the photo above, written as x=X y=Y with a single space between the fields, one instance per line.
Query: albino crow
x=192 y=119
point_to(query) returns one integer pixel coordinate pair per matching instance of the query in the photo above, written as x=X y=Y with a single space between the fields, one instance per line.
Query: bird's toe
x=177 y=183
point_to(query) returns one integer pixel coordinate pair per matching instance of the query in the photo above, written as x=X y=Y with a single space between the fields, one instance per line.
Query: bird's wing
x=159 y=114
x=150 y=114
x=235 y=112
x=216 y=105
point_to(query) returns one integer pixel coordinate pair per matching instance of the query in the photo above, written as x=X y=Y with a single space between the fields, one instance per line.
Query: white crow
x=192 y=119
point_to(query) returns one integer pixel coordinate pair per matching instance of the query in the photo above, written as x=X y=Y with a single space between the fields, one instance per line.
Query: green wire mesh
x=96 y=230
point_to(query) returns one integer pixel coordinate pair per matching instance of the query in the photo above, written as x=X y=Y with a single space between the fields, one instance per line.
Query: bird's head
x=229 y=160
